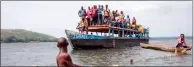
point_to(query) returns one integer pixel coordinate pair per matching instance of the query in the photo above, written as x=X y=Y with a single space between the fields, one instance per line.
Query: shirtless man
x=63 y=58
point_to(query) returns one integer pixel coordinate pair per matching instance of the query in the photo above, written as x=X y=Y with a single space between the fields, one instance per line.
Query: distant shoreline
x=24 y=36
x=27 y=42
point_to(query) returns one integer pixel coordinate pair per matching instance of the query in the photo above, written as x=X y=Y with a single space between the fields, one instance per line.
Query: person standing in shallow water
x=63 y=58
x=181 y=43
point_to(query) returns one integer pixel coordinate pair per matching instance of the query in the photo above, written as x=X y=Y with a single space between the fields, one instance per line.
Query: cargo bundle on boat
x=117 y=30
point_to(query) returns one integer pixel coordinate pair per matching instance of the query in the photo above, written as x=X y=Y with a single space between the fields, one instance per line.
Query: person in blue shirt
x=99 y=10
x=82 y=12
x=127 y=22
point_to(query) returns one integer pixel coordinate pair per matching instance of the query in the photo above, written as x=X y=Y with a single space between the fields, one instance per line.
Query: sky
x=164 y=18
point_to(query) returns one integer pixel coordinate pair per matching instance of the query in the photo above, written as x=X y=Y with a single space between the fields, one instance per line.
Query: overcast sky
x=164 y=18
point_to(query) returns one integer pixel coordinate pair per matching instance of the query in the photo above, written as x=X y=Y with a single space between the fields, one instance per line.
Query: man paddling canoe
x=181 y=43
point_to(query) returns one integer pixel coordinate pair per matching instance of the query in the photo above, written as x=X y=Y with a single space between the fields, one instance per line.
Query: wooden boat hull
x=163 y=47
x=79 y=40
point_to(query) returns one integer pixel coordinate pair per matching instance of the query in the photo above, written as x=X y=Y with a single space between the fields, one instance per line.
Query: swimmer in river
x=63 y=58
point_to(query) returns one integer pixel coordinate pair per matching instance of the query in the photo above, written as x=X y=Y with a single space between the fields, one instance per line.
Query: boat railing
x=128 y=29
x=124 y=31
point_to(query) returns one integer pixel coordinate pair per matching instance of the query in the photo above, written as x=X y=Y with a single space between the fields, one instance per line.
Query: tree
x=11 y=39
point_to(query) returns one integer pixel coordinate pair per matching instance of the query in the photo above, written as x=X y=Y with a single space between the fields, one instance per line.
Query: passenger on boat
x=100 y=15
x=181 y=43
x=121 y=18
x=127 y=25
x=133 y=23
x=63 y=59
x=111 y=16
x=106 y=14
x=146 y=33
x=114 y=15
x=102 y=7
x=140 y=29
x=89 y=16
x=127 y=22
x=117 y=13
x=82 y=12
x=94 y=15
x=117 y=21
x=84 y=25
x=79 y=27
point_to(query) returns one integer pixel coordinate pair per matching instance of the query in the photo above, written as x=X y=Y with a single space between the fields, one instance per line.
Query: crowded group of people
x=103 y=16
x=99 y=16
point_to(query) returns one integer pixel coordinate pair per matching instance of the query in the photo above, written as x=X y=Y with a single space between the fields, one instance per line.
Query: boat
x=163 y=47
x=114 y=35
x=80 y=40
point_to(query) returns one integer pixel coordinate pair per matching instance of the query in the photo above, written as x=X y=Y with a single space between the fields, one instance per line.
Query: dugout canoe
x=163 y=47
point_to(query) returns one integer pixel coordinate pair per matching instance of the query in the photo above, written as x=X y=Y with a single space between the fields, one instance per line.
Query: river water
x=44 y=54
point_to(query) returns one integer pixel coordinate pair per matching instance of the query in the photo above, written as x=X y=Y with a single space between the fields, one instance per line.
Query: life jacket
x=106 y=12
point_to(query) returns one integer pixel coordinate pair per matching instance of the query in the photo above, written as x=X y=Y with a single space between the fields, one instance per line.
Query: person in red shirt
x=94 y=15
x=181 y=43
x=89 y=16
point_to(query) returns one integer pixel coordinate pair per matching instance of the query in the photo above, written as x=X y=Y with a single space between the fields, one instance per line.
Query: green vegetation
x=20 y=35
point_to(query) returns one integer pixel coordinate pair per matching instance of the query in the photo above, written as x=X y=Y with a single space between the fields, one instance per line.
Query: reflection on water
x=44 y=54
